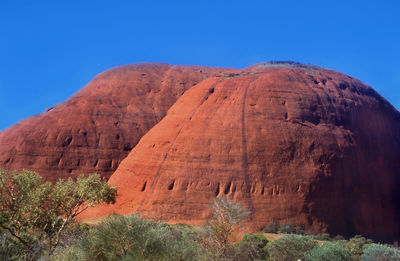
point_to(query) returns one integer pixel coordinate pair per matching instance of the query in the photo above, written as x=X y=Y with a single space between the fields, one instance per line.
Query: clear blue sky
x=50 y=49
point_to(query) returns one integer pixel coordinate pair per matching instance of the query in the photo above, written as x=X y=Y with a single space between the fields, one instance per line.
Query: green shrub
x=12 y=249
x=339 y=238
x=251 y=247
x=286 y=64
x=72 y=253
x=70 y=238
x=322 y=237
x=329 y=251
x=378 y=252
x=357 y=245
x=272 y=227
x=299 y=230
x=133 y=238
x=286 y=228
x=290 y=247
x=182 y=243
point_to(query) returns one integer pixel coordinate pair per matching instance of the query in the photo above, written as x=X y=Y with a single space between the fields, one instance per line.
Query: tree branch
x=25 y=243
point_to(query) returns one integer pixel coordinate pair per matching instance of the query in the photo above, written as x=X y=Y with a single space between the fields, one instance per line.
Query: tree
x=290 y=247
x=35 y=213
x=226 y=215
x=329 y=251
x=378 y=252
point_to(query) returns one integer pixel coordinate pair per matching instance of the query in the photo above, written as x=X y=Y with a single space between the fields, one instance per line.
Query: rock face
x=98 y=126
x=292 y=143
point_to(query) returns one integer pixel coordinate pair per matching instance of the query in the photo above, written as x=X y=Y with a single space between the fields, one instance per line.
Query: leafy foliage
x=378 y=252
x=272 y=227
x=329 y=251
x=12 y=249
x=288 y=64
x=285 y=228
x=226 y=215
x=252 y=247
x=322 y=237
x=35 y=213
x=357 y=245
x=290 y=247
x=133 y=238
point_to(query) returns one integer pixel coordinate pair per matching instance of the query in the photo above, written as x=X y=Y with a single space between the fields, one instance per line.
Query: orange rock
x=293 y=143
x=98 y=126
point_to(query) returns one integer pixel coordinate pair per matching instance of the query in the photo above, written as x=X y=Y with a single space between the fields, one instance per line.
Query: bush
x=133 y=238
x=272 y=227
x=322 y=237
x=378 y=252
x=286 y=228
x=68 y=254
x=299 y=230
x=339 y=238
x=290 y=247
x=357 y=245
x=252 y=247
x=70 y=238
x=329 y=251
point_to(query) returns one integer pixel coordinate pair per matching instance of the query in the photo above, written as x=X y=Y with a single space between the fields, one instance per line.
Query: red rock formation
x=98 y=126
x=293 y=143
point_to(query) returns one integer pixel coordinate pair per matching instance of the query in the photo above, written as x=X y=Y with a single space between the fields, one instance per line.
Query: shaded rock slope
x=98 y=126
x=291 y=142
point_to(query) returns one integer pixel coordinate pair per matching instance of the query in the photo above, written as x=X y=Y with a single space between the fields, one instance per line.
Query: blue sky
x=50 y=49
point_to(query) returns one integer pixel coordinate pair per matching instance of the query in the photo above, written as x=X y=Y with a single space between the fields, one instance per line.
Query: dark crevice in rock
x=227 y=188
x=144 y=186
x=343 y=86
x=67 y=141
x=217 y=190
x=108 y=163
x=186 y=187
x=127 y=147
x=171 y=185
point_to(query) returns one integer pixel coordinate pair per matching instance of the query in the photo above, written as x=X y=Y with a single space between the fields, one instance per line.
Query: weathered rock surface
x=293 y=143
x=98 y=126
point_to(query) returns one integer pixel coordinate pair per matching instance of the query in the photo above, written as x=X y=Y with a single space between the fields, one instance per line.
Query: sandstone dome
x=292 y=143
x=98 y=126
